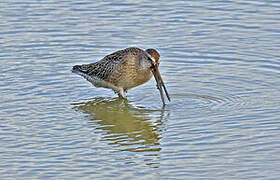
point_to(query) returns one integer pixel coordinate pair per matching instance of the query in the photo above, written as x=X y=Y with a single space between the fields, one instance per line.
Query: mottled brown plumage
x=123 y=70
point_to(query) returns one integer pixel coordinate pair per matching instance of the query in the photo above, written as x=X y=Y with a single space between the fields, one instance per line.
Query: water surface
x=219 y=60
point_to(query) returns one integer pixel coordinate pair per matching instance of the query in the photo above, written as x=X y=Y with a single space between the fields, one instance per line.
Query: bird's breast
x=135 y=78
x=143 y=77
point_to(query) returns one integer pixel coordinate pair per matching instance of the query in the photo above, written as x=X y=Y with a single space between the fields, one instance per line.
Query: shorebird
x=123 y=70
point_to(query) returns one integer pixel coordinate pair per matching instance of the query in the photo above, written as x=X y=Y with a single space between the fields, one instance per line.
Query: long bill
x=160 y=83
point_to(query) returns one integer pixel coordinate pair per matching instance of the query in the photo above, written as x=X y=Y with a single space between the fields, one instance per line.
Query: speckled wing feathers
x=108 y=68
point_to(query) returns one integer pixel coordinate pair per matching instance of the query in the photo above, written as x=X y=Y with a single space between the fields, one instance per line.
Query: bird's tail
x=80 y=68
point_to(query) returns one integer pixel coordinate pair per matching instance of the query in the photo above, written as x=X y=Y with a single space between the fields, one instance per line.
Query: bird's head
x=154 y=56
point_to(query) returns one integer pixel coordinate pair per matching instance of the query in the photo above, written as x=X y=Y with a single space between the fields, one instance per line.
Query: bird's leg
x=121 y=93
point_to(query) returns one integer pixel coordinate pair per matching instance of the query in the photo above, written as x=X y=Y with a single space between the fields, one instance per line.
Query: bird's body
x=121 y=70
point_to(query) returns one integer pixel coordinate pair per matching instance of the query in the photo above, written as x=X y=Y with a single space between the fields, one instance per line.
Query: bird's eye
x=150 y=59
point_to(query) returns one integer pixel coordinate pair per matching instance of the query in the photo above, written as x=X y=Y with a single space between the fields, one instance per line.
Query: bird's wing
x=110 y=64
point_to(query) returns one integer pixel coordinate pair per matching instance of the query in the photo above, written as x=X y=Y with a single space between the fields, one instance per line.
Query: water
x=219 y=60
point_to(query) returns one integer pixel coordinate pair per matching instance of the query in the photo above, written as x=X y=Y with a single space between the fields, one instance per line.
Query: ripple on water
x=206 y=102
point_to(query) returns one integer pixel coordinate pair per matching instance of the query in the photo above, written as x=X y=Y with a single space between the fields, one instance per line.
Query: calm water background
x=221 y=65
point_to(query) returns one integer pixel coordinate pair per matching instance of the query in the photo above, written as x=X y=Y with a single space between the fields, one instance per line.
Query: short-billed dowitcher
x=123 y=70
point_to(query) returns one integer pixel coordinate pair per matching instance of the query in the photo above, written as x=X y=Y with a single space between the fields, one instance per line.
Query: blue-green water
x=219 y=59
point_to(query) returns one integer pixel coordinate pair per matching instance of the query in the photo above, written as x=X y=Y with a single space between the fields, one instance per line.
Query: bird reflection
x=123 y=126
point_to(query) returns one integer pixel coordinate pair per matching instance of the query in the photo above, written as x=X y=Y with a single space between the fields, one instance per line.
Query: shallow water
x=219 y=60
